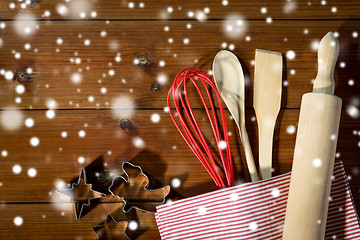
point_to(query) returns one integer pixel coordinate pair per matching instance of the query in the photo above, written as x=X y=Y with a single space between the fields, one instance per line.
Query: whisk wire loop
x=191 y=131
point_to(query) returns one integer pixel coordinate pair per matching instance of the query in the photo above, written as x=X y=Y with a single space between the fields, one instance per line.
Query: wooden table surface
x=99 y=74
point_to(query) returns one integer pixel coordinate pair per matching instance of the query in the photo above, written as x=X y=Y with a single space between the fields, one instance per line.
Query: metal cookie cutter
x=131 y=188
x=111 y=229
x=81 y=193
x=134 y=188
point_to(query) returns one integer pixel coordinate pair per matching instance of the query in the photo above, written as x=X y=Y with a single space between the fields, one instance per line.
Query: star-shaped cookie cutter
x=79 y=204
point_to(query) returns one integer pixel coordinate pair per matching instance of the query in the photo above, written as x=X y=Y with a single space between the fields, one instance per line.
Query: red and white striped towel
x=253 y=211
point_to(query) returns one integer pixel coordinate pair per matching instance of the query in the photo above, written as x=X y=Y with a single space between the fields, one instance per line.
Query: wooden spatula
x=267 y=98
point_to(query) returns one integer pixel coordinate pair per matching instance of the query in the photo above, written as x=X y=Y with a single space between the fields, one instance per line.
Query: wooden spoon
x=229 y=80
x=267 y=98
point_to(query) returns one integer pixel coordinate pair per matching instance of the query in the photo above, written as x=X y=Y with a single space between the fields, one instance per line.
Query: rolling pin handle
x=328 y=53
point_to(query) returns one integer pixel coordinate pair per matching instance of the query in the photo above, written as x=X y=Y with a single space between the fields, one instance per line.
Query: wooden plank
x=357 y=205
x=157 y=147
x=58 y=221
x=108 y=9
x=134 y=38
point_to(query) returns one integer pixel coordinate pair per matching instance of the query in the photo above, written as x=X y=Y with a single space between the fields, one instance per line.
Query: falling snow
x=234 y=26
x=16 y=169
x=234 y=197
x=76 y=78
x=32 y=172
x=353 y=111
x=51 y=104
x=29 y=122
x=275 y=192
x=155 y=118
x=123 y=106
x=290 y=129
x=64 y=134
x=50 y=114
x=253 y=226
x=131 y=5
x=27 y=46
x=138 y=142
x=162 y=63
x=59 y=41
x=118 y=58
x=81 y=159
x=59 y=184
x=11 y=119
x=222 y=144
x=289 y=7
x=9 y=75
x=290 y=54
x=175 y=183
x=315 y=45
x=18 y=221
x=133 y=225
x=111 y=72
x=20 y=89
x=25 y=24
x=268 y=20
x=82 y=133
x=34 y=141
x=62 y=9
x=87 y=42
x=317 y=162
x=162 y=79
x=4 y=153
x=202 y=210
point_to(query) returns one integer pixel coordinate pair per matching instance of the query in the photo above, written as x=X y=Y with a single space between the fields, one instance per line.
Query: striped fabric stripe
x=253 y=211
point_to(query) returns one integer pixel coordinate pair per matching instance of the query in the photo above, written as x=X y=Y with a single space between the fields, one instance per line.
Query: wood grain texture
x=108 y=9
x=133 y=38
x=163 y=157
x=58 y=221
x=313 y=166
x=229 y=79
x=267 y=103
x=130 y=33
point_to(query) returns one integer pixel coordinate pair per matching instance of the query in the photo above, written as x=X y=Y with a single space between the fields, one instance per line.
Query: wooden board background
x=142 y=31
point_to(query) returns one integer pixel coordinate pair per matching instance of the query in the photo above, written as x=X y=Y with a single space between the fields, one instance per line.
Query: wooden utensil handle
x=266 y=133
x=328 y=53
x=249 y=156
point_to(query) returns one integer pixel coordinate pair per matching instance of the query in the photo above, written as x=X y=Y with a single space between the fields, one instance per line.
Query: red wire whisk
x=189 y=128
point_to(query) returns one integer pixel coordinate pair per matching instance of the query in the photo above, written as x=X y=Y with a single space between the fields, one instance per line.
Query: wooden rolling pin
x=314 y=155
